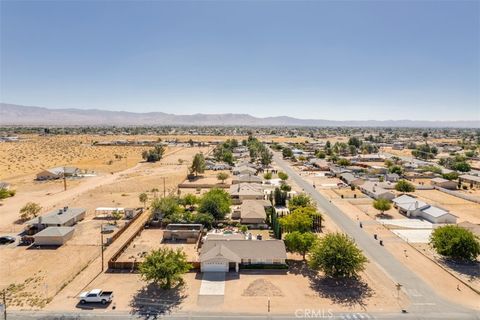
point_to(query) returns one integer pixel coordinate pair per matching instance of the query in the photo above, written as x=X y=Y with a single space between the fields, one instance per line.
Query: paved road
x=298 y=314
x=423 y=298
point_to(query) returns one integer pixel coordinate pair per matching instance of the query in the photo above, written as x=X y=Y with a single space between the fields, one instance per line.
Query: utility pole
x=101 y=242
x=4 y=298
x=64 y=180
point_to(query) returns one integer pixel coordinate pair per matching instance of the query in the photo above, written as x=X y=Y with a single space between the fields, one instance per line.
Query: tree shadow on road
x=151 y=301
x=348 y=291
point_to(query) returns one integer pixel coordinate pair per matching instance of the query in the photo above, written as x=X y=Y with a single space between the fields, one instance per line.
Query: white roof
x=109 y=209
x=435 y=212
x=54 y=232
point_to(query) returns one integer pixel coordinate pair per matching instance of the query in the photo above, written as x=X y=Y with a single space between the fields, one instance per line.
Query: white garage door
x=215 y=266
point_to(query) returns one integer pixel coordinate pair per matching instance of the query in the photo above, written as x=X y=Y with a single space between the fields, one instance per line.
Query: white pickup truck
x=96 y=295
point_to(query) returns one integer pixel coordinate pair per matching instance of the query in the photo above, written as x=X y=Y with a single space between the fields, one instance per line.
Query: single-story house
x=350 y=179
x=443 y=183
x=252 y=212
x=221 y=255
x=244 y=170
x=412 y=207
x=246 y=178
x=473 y=181
x=368 y=158
x=338 y=171
x=321 y=164
x=398 y=146
x=246 y=191
x=53 y=236
x=373 y=190
x=64 y=217
x=183 y=231
x=57 y=173
x=392 y=177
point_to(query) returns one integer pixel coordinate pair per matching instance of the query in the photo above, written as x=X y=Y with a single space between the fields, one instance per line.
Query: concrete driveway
x=213 y=284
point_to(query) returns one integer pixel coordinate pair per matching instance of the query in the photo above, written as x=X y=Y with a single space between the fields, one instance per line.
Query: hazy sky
x=319 y=59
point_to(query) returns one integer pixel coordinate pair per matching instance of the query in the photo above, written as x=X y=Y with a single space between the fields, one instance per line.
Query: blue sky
x=318 y=59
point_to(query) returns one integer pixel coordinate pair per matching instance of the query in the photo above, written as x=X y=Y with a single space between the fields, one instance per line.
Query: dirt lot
x=151 y=239
x=465 y=210
x=26 y=269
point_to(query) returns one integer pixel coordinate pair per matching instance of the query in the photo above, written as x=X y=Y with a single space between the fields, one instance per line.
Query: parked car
x=95 y=296
x=7 y=239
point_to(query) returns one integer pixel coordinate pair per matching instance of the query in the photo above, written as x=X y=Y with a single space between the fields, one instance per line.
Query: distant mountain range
x=11 y=114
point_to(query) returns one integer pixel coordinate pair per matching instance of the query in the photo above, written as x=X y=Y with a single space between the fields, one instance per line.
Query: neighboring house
x=373 y=190
x=321 y=164
x=65 y=217
x=220 y=255
x=398 y=146
x=473 y=181
x=368 y=158
x=246 y=178
x=244 y=170
x=392 y=177
x=443 y=183
x=53 y=236
x=57 y=173
x=338 y=171
x=412 y=207
x=246 y=191
x=350 y=179
x=252 y=212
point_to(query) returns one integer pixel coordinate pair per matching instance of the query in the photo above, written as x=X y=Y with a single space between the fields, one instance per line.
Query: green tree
x=117 y=215
x=320 y=154
x=203 y=218
x=280 y=197
x=267 y=176
x=215 y=202
x=165 y=267
x=396 y=169
x=190 y=200
x=343 y=162
x=244 y=228
x=154 y=154
x=166 y=207
x=299 y=201
x=300 y=242
x=337 y=256
x=404 y=186
x=265 y=157
x=222 y=176
x=354 y=141
x=143 y=197
x=29 y=211
x=461 y=166
x=287 y=152
x=455 y=242
x=296 y=221
x=198 y=164
x=283 y=176
x=450 y=176
x=382 y=205
x=285 y=187
x=4 y=193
